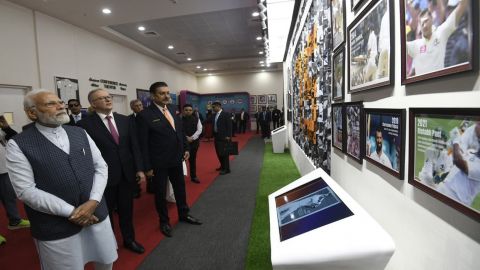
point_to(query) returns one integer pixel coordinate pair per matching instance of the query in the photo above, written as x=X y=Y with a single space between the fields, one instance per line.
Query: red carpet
x=19 y=252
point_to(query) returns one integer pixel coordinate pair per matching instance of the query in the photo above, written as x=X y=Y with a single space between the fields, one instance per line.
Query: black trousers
x=193 y=158
x=120 y=197
x=243 y=126
x=221 y=155
x=265 y=129
x=276 y=123
x=258 y=125
x=160 y=178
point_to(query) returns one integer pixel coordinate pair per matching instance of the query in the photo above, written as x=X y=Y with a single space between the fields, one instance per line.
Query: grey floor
x=226 y=210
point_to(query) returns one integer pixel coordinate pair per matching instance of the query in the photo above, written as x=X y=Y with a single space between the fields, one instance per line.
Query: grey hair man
x=63 y=199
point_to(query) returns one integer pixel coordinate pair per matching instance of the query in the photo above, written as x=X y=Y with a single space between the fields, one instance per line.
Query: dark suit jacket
x=162 y=146
x=72 y=121
x=224 y=125
x=268 y=116
x=246 y=116
x=123 y=158
x=9 y=133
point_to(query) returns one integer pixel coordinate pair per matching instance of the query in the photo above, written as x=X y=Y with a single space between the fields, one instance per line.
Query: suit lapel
x=103 y=128
x=160 y=114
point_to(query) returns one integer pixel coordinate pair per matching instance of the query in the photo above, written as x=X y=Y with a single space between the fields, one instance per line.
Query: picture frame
x=144 y=96
x=354 y=128
x=355 y=4
x=338 y=11
x=385 y=139
x=338 y=76
x=262 y=99
x=452 y=49
x=371 y=64
x=253 y=99
x=67 y=88
x=272 y=99
x=444 y=145
x=338 y=127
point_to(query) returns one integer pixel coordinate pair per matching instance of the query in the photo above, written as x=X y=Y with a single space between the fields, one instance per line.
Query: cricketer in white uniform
x=379 y=156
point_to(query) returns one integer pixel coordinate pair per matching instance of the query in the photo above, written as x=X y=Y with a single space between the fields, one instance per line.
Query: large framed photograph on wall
x=370 y=47
x=354 y=129
x=144 y=96
x=338 y=78
x=262 y=99
x=437 y=40
x=385 y=139
x=67 y=88
x=355 y=4
x=338 y=112
x=338 y=22
x=444 y=156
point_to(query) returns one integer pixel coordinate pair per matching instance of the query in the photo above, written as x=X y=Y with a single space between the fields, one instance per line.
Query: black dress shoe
x=196 y=180
x=191 y=220
x=166 y=230
x=224 y=172
x=134 y=246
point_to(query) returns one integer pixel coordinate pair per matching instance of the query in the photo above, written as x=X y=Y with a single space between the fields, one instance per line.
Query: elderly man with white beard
x=60 y=175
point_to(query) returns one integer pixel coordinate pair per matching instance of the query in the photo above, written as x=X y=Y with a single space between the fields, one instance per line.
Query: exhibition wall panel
x=428 y=234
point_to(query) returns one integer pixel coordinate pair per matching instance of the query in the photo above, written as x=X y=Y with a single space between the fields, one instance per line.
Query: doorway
x=11 y=105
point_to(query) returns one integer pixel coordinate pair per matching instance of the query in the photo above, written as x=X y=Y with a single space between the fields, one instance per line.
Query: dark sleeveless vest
x=67 y=176
x=189 y=125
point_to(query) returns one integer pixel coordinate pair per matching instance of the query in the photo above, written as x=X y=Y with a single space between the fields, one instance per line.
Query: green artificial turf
x=277 y=171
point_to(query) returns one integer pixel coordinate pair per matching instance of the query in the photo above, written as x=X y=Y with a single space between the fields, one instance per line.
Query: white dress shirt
x=105 y=120
x=199 y=130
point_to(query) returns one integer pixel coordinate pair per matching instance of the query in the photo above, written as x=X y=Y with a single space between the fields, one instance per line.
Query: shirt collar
x=102 y=116
x=45 y=129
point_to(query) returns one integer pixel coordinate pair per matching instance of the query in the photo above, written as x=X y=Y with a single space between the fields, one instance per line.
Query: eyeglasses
x=106 y=98
x=73 y=105
x=53 y=104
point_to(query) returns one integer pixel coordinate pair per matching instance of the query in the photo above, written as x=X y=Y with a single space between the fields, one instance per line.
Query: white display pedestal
x=356 y=242
x=279 y=139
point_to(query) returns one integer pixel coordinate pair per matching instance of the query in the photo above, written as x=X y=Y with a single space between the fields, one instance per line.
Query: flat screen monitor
x=308 y=207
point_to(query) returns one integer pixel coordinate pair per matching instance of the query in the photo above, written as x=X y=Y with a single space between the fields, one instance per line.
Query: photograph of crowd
x=353 y=125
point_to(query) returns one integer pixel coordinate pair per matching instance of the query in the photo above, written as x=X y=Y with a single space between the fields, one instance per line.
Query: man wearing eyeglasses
x=116 y=137
x=76 y=114
x=63 y=199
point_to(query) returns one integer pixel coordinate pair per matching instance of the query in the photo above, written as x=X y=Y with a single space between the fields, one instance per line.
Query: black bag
x=231 y=148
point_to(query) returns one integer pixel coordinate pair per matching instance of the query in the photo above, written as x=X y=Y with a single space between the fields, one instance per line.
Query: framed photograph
x=356 y=4
x=262 y=99
x=272 y=99
x=144 y=96
x=438 y=42
x=253 y=99
x=385 y=139
x=67 y=88
x=338 y=111
x=338 y=22
x=444 y=156
x=354 y=130
x=338 y=78
x=370 y=44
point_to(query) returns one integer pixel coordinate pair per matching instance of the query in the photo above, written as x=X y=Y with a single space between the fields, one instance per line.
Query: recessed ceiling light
x=259 y=38
x=141 y=28
x=199 y=67
x=261 y=62
x=205 y=69
x=170 y=47
x=106 y=11
x=260 y=52
x=189 y=59
x=255 y=14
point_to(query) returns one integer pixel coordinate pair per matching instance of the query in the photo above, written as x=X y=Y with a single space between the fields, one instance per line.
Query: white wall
x=428 y=234
x=68 y=51
x=260 y=83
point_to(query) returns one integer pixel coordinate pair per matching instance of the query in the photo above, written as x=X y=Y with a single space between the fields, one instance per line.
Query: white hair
x=28 y=101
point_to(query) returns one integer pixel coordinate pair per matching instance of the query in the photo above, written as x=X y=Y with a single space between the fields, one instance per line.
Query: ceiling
x=218 y=35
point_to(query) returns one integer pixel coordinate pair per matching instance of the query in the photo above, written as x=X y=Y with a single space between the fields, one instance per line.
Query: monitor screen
x=307 y=207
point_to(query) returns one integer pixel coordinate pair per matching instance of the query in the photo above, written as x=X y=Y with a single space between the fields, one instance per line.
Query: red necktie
x=113 y=130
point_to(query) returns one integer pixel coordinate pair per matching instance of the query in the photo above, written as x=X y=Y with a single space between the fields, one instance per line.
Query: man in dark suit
x=164 y=147
x=137 y=106
x=243 y=118
x=115 y=136
x=76 y=114
x=276 y=117
x=222 y=132
x=265 y=118
x=192 y=127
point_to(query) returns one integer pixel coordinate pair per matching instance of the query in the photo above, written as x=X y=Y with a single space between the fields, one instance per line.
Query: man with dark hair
x=276 y=117
x=192 y=126
x=75 y=111
x=243 y=117
x=116 y=137
x=265 y=119
x=164 y=147
x=378 y=155
x=222 y=132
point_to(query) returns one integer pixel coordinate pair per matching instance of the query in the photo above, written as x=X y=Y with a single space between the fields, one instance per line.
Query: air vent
x=151 y=34
x=181 y=53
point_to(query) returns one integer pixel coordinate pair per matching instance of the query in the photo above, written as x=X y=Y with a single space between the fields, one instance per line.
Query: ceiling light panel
x=279 y=20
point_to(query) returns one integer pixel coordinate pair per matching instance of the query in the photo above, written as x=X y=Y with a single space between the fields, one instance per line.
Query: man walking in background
x=222 y=132
x=76 y=113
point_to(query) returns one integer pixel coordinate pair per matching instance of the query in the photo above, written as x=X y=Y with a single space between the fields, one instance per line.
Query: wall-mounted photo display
x=262 y=99
x=370 y=44
x=253 y=99
x=67 y=88
x=253 y=109
x=338 y=78
x=356 y=4
x=385 y=139
x=338 y=111
x=437 y=38
x=338 y=22
x=272 y=99
x=444 y=156
x=144 y=96
x=354 y=129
